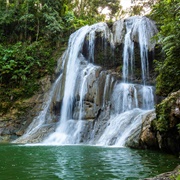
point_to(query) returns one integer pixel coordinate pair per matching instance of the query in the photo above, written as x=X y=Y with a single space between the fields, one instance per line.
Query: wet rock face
x=14 y=124
x=8 y=130
x=162 y=133
x=148 y=137
x=90 y=111
x=39 y=136
x=103 y=53
x=111 y=57
x=98 y=92
x=144 y=137
x=167 y=123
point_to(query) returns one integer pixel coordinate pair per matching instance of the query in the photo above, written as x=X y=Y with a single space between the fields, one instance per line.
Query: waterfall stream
x=96 y=107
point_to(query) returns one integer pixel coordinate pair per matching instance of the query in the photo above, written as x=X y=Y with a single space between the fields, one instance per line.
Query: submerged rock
x=173 y=175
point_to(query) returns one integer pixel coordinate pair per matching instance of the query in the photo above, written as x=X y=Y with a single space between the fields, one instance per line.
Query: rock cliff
x=160 y=128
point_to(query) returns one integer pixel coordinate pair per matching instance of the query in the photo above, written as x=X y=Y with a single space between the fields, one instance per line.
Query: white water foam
x=127 y=102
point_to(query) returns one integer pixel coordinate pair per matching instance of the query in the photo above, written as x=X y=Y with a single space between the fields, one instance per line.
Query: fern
x=166 y=39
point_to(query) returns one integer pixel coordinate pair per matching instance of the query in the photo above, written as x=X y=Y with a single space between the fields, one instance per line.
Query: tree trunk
x=7 y=4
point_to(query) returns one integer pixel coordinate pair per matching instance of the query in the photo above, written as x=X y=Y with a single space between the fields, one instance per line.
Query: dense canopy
x=167 y=15
x=33 y=33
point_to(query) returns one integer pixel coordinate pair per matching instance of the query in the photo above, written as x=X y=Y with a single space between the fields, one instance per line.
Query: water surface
x=19 y=162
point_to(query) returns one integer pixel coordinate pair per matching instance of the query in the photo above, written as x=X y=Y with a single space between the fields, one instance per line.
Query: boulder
x=160 y=128
x=167 y=123
x=168 y=175
x=143 y=137
x=148 y=137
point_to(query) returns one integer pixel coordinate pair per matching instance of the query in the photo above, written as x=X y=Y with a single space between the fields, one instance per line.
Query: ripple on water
x=80 y=162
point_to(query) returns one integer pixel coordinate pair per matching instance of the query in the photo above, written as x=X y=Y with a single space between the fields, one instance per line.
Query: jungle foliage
x=166 y=117
x=167 y=15
x=33 y=33
x=28 y=30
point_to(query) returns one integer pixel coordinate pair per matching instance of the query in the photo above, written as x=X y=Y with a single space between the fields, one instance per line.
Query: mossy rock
x=168 y=113
x=167 y=123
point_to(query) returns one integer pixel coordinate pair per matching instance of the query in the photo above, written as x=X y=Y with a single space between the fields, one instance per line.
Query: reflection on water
x=80 y=163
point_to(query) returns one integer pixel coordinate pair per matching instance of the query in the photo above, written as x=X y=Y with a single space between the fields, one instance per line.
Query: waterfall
x=83 y=88
x=65 y=132
x=124 y=97
x=120 y=126
x=143 y=31
x=128 y=53
x=72 y=69
x=91 y=46
x=97 y=106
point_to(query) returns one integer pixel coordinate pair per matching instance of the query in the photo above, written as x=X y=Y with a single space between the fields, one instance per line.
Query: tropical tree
x=167 y=15
x=92 y=10
x=32 y=32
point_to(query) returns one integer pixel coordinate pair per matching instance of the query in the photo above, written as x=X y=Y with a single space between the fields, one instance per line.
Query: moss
x=175 y=176
x=164 y=113
x=168 y=79
x=178 y=177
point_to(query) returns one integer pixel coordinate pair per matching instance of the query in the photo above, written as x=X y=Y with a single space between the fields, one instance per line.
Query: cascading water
x=65 y=133
x=96 y=107
x=128 y=53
